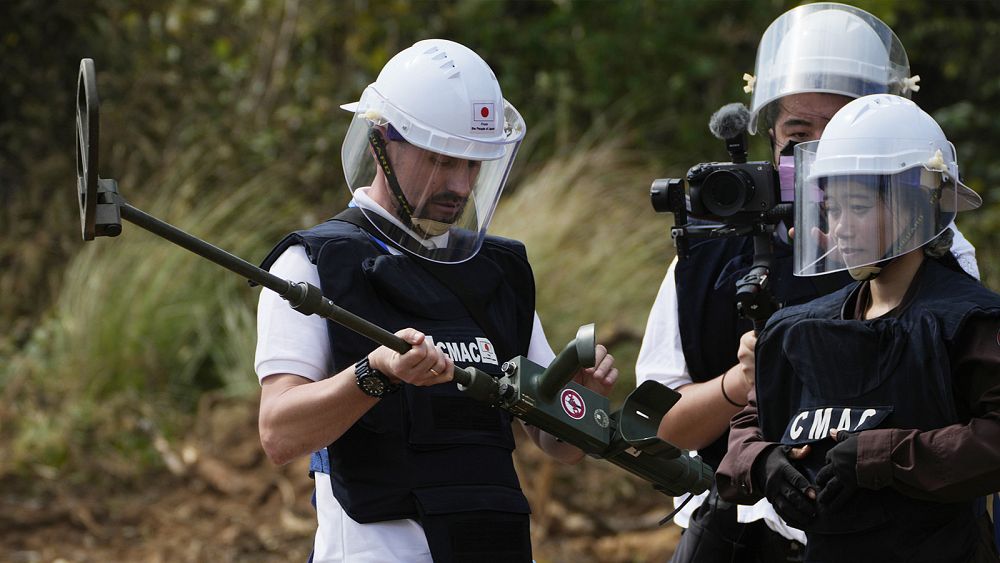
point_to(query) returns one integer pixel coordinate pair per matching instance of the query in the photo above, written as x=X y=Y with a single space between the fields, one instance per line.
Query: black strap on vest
x=356 y=217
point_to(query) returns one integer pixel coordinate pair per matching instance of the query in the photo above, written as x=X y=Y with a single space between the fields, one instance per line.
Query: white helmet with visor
x=826 y=48
x=430 y=149
x=881 y=181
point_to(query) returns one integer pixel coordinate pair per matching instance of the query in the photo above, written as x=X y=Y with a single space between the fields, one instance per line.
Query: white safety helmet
x=434 y=126
x=827 y=48
x=881 y=181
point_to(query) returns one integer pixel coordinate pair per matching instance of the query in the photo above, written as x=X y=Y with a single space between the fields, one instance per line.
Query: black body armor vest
x=817 y=371
x=427 y=452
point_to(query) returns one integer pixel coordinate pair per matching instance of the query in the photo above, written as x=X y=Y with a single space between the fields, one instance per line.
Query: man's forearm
x=702 y=414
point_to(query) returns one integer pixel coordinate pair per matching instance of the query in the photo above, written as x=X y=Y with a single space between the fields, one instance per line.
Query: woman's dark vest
x=709 y=324
x=425 y=451
x=817 y=372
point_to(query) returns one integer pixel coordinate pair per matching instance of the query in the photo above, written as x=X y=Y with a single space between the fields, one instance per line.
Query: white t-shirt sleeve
x=539 y=350
x=964 y=252
x=661 y=357
x=288 y=341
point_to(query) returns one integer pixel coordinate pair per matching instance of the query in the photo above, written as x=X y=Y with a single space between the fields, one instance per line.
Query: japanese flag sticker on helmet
x=484 y=116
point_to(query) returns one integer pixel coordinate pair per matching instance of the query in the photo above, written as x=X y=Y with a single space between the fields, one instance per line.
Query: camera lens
x=725 y=192
x=659 y=193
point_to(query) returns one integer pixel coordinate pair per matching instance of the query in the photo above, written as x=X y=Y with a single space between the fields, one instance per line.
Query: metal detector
x=543 y=397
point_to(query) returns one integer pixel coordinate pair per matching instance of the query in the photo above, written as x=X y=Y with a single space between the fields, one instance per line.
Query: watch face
x=373 y=385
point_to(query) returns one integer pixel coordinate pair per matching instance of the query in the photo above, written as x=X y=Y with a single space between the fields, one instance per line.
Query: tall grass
x=141 y=328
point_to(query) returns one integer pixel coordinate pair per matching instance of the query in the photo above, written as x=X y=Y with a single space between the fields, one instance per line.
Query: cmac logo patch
x=480 y=351
x=814 y=424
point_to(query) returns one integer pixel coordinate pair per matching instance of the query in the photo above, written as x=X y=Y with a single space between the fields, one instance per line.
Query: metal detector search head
x=99 y=214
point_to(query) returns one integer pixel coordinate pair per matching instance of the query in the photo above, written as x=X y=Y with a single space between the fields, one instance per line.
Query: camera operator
x=811 y=61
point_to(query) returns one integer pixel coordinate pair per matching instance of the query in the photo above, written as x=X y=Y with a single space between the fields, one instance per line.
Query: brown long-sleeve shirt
x=954 y=463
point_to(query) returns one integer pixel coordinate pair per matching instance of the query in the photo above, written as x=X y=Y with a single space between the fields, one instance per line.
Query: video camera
x=729 y=199
x=729 y=190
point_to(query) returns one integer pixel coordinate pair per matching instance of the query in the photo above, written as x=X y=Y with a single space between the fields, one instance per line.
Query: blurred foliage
x=222 y=117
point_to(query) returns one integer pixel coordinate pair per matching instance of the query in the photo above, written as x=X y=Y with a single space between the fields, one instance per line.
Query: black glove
x=838 y=479
x=785 y=486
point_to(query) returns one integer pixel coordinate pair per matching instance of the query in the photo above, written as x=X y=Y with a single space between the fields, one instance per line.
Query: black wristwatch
x=373 y=382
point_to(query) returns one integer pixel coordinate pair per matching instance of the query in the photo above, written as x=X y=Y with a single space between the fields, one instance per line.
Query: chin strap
x=429 y=227
x=867 y=273
x=425 y=227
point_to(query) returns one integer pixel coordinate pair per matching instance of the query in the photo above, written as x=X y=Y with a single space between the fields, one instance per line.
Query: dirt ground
x=219 y=499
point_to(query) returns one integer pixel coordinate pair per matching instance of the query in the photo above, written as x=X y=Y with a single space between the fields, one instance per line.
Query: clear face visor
x=434 y=205
x=827 y=48
x=854 y=218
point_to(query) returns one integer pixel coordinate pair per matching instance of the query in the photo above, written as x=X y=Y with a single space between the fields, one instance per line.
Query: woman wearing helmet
x=811 y=61
x=408 y=468
x=876 y=416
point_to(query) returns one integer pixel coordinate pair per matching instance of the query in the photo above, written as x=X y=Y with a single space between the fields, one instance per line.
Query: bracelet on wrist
x=722 y=381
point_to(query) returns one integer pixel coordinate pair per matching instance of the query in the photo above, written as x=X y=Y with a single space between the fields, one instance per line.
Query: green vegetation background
x=222 y=117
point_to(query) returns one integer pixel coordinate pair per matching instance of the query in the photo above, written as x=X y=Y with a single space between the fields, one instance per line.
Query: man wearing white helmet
x=408 y=468
x=811 y=61
x=886 y=393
